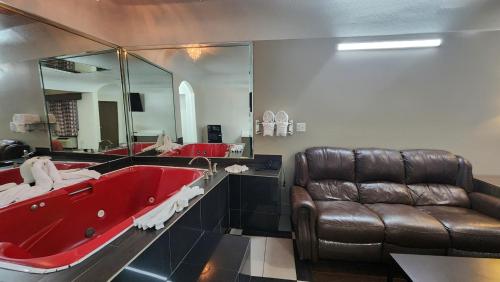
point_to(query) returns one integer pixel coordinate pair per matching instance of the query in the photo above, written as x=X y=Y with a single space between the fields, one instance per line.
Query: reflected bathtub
x=78 y=220
x=210 y=150
x=136 y=148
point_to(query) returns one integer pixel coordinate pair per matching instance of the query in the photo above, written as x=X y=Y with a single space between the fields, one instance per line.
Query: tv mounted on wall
x=136 y=102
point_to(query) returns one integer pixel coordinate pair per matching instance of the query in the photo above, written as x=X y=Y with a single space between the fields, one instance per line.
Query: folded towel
x=18 y=128
x=236 y=168
x=52 y=118
x=7 y=186
x=281 y=128
x=25 y=118
x=163 y=212
x=268 y=128
x=237 y=147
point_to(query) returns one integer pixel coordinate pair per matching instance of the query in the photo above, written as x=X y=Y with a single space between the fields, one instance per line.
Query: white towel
x=167 y=145
x=281 y=128
x=25 y=118
x=52 y=118
x=237 y=147
x=159 y=142
x=25 y=169
x=163 y=212
x=19 y=193
x=7 y=186
x=41 y=174
x=268 y=128
x=18 y=127
x=236 y=168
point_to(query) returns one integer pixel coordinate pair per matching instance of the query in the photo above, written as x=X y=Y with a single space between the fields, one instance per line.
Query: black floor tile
x=202 y=273
x=220 y=251
x=277 y=234
x=265 y=279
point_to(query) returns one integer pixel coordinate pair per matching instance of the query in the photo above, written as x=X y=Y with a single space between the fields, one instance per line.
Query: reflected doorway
x=188 y=112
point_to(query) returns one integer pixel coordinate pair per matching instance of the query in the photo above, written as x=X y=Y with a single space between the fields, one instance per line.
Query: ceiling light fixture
x=380 y=45
x=194 y=53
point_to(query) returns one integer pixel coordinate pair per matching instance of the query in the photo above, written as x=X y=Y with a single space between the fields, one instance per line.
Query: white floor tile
x=257 y=251
x=235 y=231
x=279 y=261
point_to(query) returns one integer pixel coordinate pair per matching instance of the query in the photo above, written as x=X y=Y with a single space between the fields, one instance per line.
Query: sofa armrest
x=304 y=222
x=485 y=204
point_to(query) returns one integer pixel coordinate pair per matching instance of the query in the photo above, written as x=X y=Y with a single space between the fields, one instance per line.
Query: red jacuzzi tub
x=78 y=220
x=136 y=147
x=211 y=150
x=12 y=175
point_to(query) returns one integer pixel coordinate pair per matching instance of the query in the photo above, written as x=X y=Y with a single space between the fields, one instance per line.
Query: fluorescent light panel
x=380 y=45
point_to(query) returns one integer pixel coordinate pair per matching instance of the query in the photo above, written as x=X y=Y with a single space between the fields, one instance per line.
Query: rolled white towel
x=281 y=128
x=236 y=168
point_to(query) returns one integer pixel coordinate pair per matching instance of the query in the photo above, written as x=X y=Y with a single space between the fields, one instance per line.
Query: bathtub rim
x=39 y=270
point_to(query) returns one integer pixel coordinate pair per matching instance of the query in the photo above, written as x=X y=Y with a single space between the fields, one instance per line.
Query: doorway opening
x=188 y=112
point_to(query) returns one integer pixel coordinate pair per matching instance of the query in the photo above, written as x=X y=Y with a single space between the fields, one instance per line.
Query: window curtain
x=66 y=113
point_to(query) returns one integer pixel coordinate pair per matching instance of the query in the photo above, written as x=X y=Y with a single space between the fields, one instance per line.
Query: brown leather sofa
x=366 y=203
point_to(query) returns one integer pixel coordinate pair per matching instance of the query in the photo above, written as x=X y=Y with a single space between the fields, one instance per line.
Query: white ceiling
x=171 y=22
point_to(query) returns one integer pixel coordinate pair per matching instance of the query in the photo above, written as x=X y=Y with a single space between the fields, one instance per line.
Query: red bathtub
x=136 y=148
x=78 y=220
x=211 y=150
x=13 y=175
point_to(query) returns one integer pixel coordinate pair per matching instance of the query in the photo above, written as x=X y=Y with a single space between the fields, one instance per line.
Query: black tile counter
x=161 y=252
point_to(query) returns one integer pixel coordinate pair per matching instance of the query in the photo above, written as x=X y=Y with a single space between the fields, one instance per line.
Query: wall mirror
x=85 y=104
x=24 y=41
x=212 y=88
x=152 y=110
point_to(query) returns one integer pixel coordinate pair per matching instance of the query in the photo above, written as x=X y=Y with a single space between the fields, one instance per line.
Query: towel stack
x=157 y=217
x=20 y=122
x=45 y=175
x=167 y=145
x=236 y=148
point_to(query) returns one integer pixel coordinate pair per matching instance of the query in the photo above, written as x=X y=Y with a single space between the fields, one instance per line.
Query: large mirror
x=23 y=43
x=85 y=103
x=152 y=110
x=212 y=87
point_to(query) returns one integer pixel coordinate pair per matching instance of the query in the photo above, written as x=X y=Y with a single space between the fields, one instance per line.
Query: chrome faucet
x=209 y=172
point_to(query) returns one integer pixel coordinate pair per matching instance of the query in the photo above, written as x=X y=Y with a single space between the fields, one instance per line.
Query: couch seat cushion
x=407 y=226
x=469 y=230
x=348 y=222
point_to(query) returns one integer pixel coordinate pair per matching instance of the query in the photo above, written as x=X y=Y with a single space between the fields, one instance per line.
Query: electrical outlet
x=301 y=127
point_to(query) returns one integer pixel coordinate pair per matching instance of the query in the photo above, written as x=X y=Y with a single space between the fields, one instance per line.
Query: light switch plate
x=301 y=127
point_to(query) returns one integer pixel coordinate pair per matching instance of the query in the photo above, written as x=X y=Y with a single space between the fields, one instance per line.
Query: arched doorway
x=188 y=112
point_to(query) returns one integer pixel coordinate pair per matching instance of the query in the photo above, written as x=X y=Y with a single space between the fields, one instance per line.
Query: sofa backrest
x=380 y=175
x=432 y=177
x=330 y=174
x=419 y=177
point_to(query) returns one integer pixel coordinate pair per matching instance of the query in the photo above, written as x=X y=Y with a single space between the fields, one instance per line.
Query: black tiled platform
x=215 y=257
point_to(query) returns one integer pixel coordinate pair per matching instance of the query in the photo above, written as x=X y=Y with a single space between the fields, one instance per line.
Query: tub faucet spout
x=210 y=173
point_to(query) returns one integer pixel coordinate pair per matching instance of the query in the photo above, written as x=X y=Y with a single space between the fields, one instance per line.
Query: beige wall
x=446 y=98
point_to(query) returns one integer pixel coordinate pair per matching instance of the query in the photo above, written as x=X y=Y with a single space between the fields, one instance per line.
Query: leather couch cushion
x=374 y=165
x=430 y=166
x=337 y=190
x=384 y=192
x=469 y=230
x=438 y=194
x=330 y=163
x=407 y=226
x=348 y=222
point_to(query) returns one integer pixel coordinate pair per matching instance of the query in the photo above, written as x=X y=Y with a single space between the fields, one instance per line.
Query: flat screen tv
x=136 y=104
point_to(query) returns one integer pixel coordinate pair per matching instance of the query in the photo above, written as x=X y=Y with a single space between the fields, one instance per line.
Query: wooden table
x=444 y=268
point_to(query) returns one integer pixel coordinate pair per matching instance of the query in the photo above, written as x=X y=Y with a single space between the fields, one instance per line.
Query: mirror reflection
x=151 y=104
x=213 y=99
x=23 y=42
x=84 y=101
